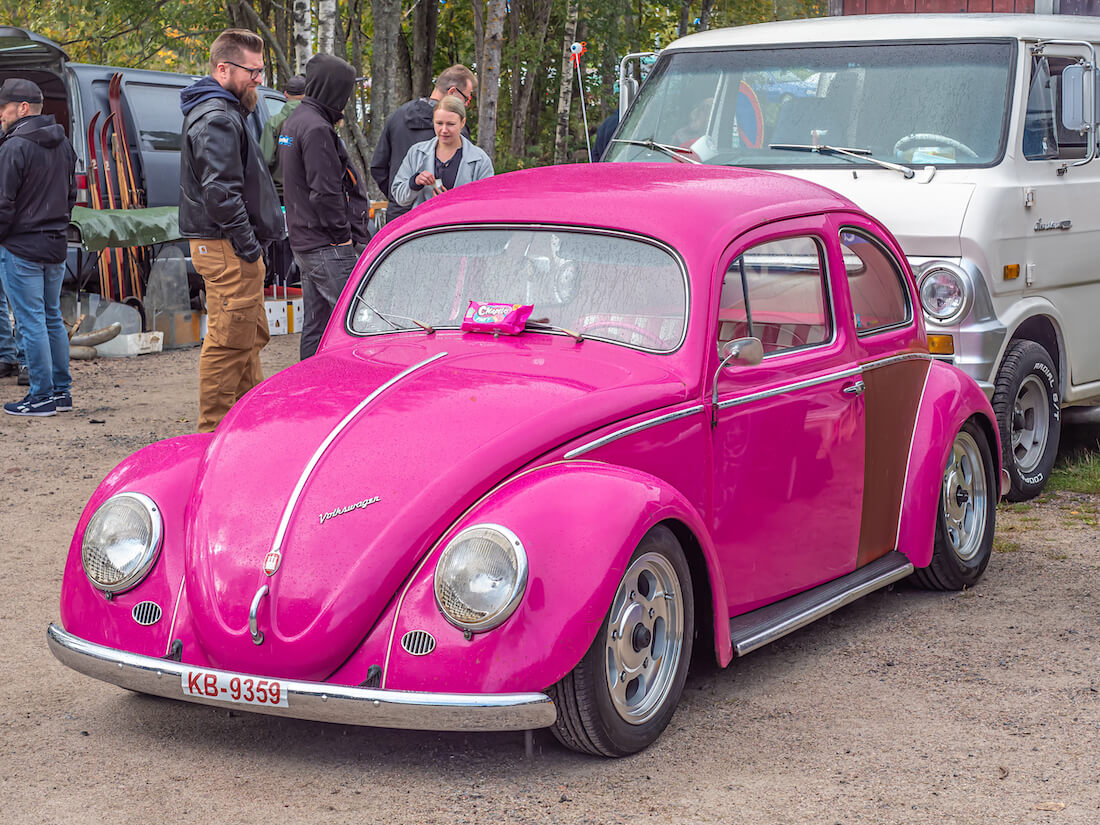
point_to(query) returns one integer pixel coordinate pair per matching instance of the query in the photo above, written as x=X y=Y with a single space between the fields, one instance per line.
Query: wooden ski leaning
x=96 y=195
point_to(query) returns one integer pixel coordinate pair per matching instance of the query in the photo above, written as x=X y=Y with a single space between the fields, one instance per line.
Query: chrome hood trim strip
x=292 y=502
x=634 y=428
x=318 y=701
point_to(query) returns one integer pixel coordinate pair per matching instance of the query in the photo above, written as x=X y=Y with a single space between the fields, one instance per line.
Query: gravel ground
x=906 y=707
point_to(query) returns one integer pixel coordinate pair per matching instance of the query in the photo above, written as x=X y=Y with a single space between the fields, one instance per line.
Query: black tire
x=1029 y=417
x=597 y=717
x=967 y=515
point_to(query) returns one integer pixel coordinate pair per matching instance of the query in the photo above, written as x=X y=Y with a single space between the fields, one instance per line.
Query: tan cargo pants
x=229 y=365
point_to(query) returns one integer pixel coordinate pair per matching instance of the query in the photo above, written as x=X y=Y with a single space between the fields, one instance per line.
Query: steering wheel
x=942 y=140
x=646 y=335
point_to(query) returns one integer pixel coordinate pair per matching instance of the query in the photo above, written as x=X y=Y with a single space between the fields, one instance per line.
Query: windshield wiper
x=544 y=323
x=677 y=152
x=385 y=316
x=858 y=154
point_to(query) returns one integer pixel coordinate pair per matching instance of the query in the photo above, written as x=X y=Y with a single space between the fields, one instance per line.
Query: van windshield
x=942 y=103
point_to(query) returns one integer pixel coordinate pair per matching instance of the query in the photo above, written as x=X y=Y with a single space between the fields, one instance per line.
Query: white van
x=972 y=137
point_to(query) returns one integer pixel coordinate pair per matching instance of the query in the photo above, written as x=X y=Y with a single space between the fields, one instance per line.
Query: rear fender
x=164 y=471
x=949 y=400
x=579 y=523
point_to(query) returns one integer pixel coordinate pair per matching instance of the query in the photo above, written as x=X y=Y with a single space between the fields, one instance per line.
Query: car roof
x=894 y=27
x=685 y=205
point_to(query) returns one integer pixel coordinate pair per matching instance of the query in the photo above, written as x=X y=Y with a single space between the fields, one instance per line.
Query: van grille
x=418 y=642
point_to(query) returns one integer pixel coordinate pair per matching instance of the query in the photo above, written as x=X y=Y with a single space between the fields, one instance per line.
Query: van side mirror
x=628 y=90
x=1075 y=115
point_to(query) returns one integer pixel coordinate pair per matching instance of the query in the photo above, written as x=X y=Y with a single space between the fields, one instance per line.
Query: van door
x=1060 y=230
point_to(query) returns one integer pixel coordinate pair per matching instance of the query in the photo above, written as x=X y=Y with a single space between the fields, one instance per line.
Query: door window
x=875 y=281
x=776 y=292
x=1045 y=138
x=156 y=110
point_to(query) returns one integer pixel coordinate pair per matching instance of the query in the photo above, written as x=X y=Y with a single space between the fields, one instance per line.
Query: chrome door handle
x=857 y=388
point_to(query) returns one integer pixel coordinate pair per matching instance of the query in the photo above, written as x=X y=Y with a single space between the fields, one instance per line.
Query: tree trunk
x=384 y=98
x=301 y=16
x=249 y=19
x=425 y=27
x=489 y=72
x=565 y=92
x=282 y=38
x=704 y=15
x=479 y=40
x=685 y=17
x=521 y=104
x=327 y=21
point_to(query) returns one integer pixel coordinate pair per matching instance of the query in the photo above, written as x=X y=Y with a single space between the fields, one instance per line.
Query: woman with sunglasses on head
x=450 y=159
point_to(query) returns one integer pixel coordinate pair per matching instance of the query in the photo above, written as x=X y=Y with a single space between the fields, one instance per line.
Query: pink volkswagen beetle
x=719 y=422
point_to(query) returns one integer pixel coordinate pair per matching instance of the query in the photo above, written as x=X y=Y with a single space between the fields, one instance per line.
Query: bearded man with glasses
x=230 y=212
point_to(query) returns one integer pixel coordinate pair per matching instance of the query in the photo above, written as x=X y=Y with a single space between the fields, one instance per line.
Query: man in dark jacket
x=37 y=193
x=229 y=210
x=412 y=123
x=273 y=128
x=326 y=204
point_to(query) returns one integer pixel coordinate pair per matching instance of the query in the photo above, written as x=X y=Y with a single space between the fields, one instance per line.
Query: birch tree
x=565 y=92
x=327 y=21
x=301 y=18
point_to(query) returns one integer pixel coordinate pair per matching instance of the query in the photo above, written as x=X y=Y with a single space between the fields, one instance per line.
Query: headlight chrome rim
x=148 y=556
x=518 y=587
x=966 y=291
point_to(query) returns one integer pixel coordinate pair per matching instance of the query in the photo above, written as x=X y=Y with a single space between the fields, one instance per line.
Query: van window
x=775 y=291
x=1044 y=136
x=875 y=282
x=156 y=110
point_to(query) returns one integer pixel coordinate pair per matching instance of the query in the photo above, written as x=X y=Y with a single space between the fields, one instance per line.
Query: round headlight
x=943 y=293
x=480 y=577
x=121 y=542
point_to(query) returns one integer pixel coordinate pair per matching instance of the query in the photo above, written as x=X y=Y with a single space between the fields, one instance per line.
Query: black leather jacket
x=225 y=188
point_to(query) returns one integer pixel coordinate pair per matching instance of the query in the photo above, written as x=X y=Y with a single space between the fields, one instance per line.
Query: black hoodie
x=326 y=202
x=37 y=189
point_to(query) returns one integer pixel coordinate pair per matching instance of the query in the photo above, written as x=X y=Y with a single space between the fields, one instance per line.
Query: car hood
x=362 y=495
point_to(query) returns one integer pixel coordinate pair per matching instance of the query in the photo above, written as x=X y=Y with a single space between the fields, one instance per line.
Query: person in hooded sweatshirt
x=37 y=194
x=327 y=211
x=412 y=123
x=230 y=212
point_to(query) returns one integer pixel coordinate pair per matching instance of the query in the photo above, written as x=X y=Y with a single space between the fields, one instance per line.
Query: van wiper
x=858 y=154
x=678 y=152
x=386 y=316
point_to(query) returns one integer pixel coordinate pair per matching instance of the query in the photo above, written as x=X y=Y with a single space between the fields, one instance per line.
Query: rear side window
x=876 y=283
x=156 y=110
x=775 y=291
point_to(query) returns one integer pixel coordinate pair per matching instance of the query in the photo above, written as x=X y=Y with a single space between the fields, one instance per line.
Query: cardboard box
x=276 y=316
x=294 y=317
x=134 y=343
x=181 y=329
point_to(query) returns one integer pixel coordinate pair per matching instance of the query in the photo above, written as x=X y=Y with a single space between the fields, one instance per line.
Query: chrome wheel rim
x=1030 y=424
x=644 y=638
x=965 y=498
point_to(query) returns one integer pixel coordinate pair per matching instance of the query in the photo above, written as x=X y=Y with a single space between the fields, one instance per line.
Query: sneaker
x=28 y=407
x=63 y=401
x=7 y=370
x=24 y=376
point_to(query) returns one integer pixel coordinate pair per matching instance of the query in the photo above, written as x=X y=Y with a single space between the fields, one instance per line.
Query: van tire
x=1029 y=417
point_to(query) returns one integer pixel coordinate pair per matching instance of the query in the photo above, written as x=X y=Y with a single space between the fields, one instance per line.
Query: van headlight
x=944 y=292
x=121 y=542
x=480 y=577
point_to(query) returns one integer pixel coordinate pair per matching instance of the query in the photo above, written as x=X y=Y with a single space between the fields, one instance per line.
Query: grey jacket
x=421 y=158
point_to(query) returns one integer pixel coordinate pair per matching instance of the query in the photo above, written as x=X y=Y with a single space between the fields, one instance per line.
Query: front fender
x=164 y=471
x=950 y=398
x=579 y=523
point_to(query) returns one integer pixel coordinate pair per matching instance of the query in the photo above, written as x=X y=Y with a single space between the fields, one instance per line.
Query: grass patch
x=1077 y=472
x=1003 y=545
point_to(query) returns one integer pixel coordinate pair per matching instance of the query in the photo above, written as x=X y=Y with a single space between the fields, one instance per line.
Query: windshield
x=913 y=103
x=610 y=287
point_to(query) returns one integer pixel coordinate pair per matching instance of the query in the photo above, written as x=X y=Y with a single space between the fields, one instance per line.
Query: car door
x=788 y=433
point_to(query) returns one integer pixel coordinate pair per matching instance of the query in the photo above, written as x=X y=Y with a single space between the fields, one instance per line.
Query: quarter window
x=1045 y=138
x=776 y=292
x=875 y=282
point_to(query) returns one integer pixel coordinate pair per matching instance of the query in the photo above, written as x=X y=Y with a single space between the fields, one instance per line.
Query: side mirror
x=628 y=90
x=747 y=350
x=1075 y=118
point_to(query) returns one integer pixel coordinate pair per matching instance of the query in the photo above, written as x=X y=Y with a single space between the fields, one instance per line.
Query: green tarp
x=103 y=228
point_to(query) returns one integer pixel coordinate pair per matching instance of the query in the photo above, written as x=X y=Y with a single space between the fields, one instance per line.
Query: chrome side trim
x=753 y=630
x=634 y=428
x=318 y=701
x=292 y=502
x=897 y=359
x=797 y=385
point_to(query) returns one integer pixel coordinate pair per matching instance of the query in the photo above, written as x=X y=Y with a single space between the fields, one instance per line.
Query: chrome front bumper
x=314 y=700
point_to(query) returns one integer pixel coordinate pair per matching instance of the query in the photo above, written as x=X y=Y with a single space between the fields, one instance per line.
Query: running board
x=766 y=624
